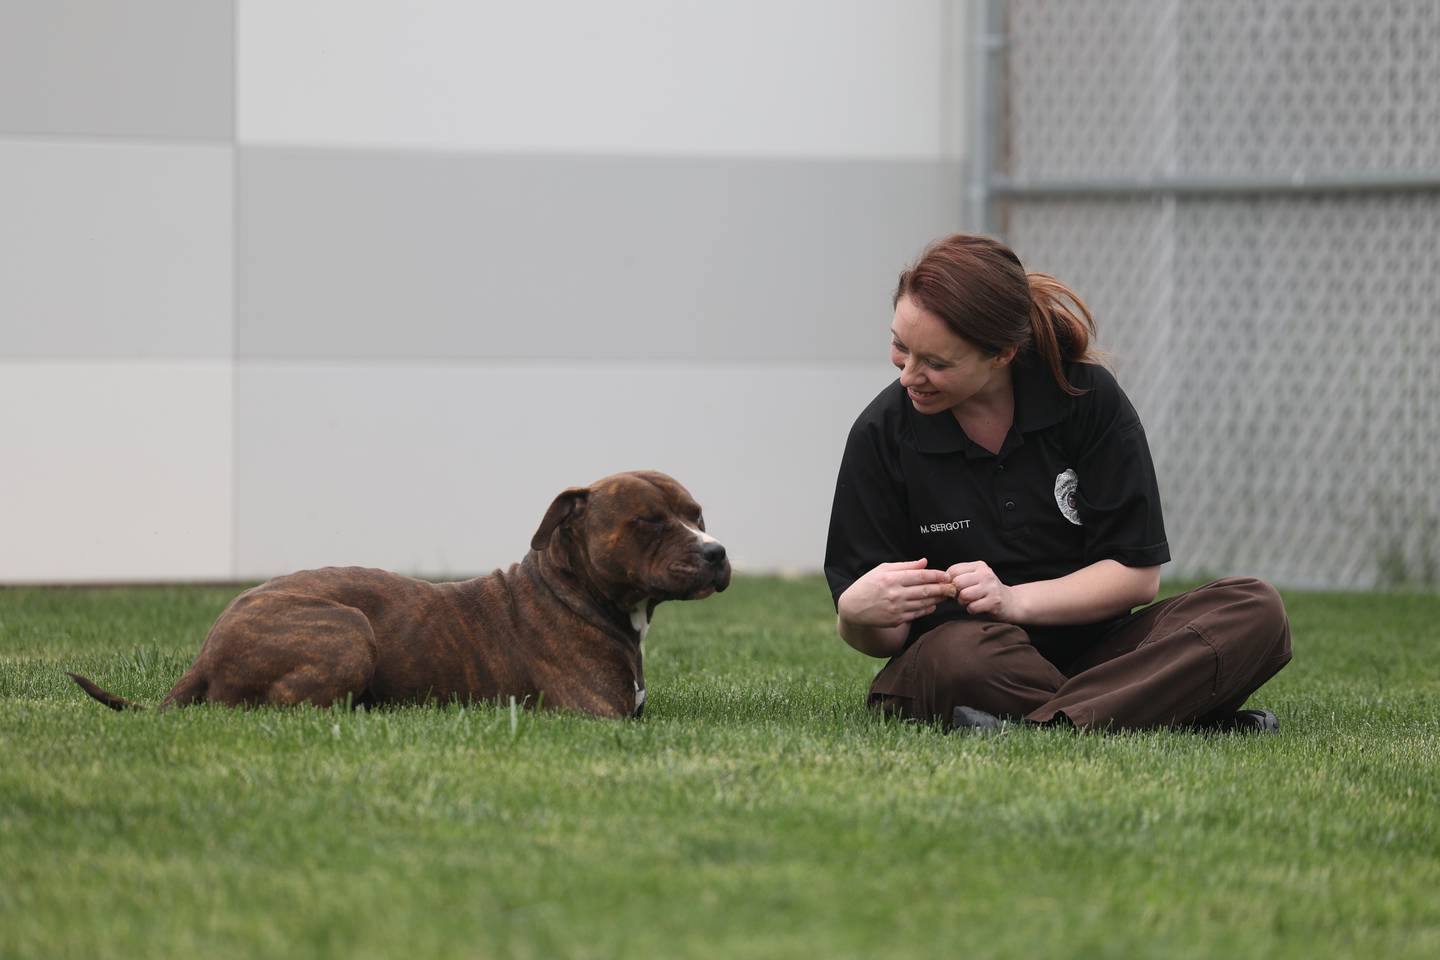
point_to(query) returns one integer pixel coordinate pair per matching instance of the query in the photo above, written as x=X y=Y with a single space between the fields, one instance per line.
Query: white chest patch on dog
x=640 y=620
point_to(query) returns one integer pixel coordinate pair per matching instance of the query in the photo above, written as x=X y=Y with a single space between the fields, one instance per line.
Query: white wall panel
x=115 y=250
x=787 y=77
x=448 y=469
x=115 y=471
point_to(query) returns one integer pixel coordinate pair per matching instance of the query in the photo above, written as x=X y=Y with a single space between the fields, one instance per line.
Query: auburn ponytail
x=979 y=288
x=1061 y=327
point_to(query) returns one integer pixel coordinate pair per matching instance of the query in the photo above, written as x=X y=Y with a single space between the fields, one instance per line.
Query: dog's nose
x=714 y=553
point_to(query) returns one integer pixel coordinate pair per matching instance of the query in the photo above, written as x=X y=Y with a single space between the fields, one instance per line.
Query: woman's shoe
x=1249 y=721
x=968 y=719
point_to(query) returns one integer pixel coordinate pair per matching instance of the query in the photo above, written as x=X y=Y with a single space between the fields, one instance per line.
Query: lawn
x=756 y=810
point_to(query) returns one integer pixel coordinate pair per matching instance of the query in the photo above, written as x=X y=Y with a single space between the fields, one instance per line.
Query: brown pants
x=1186 y=660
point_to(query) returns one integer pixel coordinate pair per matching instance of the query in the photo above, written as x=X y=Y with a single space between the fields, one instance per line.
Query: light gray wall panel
x=152 y=68
x=395 y=255
x=448 y=468
x=832 y=78
x=115 y=250
x=115 y=471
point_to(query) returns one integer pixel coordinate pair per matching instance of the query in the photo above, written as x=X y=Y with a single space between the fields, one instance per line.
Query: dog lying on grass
x=565 y=627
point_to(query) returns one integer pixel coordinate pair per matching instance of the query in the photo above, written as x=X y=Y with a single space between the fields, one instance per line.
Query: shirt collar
x=1039 y=403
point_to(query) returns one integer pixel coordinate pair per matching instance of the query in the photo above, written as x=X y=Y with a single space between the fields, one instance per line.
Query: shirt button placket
x=1009 y=508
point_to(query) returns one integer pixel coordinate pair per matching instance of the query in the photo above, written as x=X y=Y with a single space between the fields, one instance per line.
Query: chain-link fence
x=1247 y=194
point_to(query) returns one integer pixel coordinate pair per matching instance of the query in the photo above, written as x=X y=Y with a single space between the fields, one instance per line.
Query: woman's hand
x=1091 y=594
x=982 y=593
x=894 y=593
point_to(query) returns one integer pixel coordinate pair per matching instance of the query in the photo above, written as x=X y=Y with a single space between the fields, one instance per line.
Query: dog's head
x=640 y=534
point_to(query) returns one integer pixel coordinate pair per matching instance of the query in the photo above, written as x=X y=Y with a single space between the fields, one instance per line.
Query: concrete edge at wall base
x=782 y=573
x=1168 y=582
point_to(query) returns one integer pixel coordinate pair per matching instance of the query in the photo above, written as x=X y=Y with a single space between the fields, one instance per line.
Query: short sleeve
x=868 y=516
x=1118 y=496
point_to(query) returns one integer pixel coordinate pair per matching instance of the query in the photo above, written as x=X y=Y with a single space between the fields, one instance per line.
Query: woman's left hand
x=982 y=593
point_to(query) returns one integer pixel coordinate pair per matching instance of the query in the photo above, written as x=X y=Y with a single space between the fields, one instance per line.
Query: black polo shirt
x=1073 y=484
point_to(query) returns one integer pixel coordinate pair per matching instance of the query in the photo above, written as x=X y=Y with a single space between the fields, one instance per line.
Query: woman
x=997 y=519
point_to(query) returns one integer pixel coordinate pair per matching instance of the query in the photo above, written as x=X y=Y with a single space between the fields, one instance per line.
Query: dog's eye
x=650 y=521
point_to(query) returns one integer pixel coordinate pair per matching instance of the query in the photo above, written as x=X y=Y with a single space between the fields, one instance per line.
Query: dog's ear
x=571 y=503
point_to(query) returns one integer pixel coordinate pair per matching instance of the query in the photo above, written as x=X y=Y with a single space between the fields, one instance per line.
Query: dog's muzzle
x=717 y=563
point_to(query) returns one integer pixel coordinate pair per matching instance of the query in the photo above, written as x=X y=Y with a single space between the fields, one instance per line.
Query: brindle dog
x=564 y=627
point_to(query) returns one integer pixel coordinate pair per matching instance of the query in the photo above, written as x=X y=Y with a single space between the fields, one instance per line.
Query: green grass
x=756 y=810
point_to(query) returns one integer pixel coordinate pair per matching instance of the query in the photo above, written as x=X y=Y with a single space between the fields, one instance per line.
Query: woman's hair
x=979 y=288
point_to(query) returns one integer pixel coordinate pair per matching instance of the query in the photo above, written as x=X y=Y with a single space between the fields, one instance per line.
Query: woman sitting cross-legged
x=997 y=522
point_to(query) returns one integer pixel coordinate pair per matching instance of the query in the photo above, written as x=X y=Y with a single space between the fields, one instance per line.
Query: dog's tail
x=109 y=699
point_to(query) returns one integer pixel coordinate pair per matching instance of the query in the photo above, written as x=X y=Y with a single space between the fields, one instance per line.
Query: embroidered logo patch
x=1066 y=485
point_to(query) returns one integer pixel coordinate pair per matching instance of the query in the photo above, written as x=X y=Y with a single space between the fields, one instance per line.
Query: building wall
x=116 y=276
x=360 y=282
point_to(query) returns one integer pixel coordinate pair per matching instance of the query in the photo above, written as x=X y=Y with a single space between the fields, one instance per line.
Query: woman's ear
x=569 y=504
x=1005 y=357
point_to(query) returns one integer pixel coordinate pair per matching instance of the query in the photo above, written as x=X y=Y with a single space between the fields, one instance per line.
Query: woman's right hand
x=894 y=593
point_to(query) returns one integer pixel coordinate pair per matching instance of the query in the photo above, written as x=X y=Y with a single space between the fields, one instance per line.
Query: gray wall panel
x=115 y=250
x=396 y=255
x=150 y=68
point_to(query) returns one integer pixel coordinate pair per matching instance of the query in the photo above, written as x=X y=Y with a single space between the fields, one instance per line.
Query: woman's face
x=939 y=369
